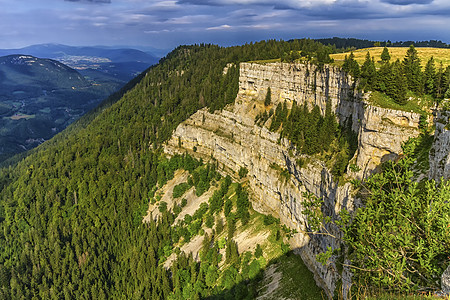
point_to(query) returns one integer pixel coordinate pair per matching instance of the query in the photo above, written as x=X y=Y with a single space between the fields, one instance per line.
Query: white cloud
x=221 y=27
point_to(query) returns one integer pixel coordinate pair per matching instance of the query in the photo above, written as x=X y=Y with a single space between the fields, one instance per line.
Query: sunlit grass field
x=439 y=55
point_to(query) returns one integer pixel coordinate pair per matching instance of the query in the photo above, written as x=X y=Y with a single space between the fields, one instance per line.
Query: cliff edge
x=277 y=181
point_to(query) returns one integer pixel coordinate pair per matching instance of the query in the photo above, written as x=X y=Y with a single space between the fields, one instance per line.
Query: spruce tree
x=412 y=70
x=385 y=56
x=398 y=89
x=351 y=66
x=268 y=99
x=439 y=81
x=429 y=78
x=368 y=71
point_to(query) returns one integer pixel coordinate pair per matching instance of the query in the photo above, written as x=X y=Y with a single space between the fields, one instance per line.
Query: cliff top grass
x=415 y=104
x=265 y=61
x=439 y=55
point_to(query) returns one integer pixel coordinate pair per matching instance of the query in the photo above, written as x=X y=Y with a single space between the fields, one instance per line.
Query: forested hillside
x=69 y=212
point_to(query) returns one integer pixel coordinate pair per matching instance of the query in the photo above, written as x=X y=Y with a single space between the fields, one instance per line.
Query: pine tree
x=429 y=78
x=351 y=66
x=412 y=70
x=268 y=99
x=398 y=84
x=385 y=56
x=368 y=71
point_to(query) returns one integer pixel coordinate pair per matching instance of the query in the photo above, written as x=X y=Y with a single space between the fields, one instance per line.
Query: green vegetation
x=314 y=134
x=415 y=104
x=400 y=240
x=403 y=81
x=243 y=172
x=268 y=98
x=294 y=281
x=69 y=211
x=180 y=189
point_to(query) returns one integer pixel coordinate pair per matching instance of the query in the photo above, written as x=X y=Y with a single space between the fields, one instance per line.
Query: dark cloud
x=90 y=1
x=200 y=2
x=407 y=2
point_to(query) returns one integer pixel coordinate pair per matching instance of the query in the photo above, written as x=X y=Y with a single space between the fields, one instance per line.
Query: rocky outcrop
x=440 y=151
x=235 y=142
x=445 y=281
x=277 y=175
x=381 y=135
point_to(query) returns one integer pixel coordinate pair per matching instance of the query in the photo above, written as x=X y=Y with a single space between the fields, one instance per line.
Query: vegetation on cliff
x=71 y=212
x=400 y=239
x=68 y=210
x=402 y=80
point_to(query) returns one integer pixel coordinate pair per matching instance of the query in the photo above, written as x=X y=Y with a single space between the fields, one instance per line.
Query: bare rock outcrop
x=277 y=179
x=440 y=152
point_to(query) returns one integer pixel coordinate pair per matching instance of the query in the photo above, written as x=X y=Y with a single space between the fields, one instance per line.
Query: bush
x=269 y=220
x=162 y=206
x=180 y=189
x=243 y=172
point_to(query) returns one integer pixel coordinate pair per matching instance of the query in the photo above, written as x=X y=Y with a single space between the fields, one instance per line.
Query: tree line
x=397 y=78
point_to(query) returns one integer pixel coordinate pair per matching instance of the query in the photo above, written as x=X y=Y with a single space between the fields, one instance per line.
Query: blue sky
x=167 y=23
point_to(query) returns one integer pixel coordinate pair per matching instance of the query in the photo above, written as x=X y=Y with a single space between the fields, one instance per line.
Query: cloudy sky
x=167 y=23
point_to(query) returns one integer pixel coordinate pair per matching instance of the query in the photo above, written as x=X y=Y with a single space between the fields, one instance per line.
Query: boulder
x=445 y=281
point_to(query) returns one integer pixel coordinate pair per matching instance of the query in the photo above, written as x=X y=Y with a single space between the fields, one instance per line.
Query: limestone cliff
x=440 y=152
x=276 y=180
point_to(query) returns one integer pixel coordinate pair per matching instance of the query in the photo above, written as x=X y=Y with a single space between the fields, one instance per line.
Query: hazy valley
x=40 y=96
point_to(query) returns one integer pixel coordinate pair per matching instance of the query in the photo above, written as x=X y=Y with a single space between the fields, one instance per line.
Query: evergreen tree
x=351 y=65
x=368 y=71
x=268 y=98
x=385 y=56
x=397 y=85
x=439 y=82
x=429 y=78
x=412 y=70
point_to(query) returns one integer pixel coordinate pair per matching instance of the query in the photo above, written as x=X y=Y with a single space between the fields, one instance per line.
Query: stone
x=233 y=139
x=440 y=152
x=445 y=281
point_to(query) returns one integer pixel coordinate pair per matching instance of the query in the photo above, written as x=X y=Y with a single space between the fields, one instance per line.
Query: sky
x=165 y=24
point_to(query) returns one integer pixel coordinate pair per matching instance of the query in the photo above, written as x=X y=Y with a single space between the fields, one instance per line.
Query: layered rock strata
x=440 y=152
x=277 y=179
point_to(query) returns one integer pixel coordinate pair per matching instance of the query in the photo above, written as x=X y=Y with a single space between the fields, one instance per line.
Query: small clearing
x=166 y=191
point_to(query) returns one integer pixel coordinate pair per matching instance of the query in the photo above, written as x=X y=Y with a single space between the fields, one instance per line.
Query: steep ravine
x=231 y=137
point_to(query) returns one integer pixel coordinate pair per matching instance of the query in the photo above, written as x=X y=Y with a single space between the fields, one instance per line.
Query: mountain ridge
x=74 y=201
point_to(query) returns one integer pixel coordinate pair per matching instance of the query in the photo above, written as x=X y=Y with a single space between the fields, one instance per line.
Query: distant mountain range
x=43 y=88
x=40 y=97
x=123 y=64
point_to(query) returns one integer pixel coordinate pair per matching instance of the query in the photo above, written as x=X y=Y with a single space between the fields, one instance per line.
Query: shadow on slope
x=285 y=277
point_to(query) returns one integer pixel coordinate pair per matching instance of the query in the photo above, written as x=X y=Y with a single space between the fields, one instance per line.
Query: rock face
x=381 y=135
x=440 y=152
x=277 y=181
x=445 y=281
